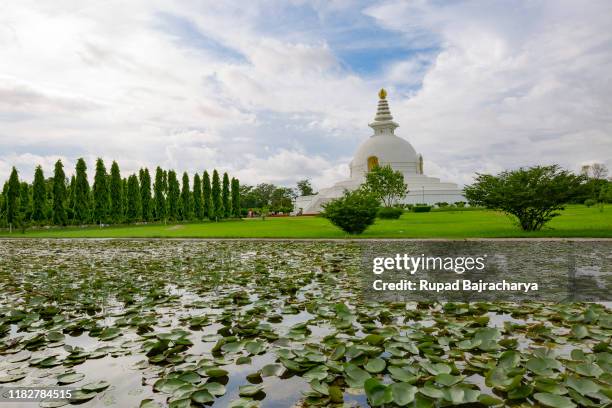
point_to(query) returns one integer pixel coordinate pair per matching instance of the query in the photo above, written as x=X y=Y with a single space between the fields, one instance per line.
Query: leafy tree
x=24 y=202
x=216 y=196
x=209 y=208
x=173 y=196
x=39 y=196
x=145 y=194
x=386 y=184
x=59 y=194
x=225 y=197
x=533 y=195
x=185 y=207
x=354 y=212
x=159 y=195
x=101 y=196
x=71 y=197
x=282 y=199
x=116 y=194
x=12 y=198
x=595 y=171
x=134 y=209
x=236 y=198
x=198 y=209
x=305 y=188
x=81 y=194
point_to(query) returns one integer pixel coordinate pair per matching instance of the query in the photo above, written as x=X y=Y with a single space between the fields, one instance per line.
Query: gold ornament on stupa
x=382 y=94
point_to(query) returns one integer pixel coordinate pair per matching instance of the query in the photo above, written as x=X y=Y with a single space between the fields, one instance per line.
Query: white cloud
x=215 y=86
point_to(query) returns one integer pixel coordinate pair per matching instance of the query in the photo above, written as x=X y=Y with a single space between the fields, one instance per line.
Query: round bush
x=390 y=213
x=590 y=202
x=421 y=208
x=353 y=212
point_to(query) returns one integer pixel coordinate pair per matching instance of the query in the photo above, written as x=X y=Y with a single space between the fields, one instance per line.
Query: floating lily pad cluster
x=230 y=324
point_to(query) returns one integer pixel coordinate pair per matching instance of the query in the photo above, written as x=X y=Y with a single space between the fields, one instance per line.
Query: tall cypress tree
x=101 y=196
x=39 y=196
x=185 y=208
x=133 y=199
x=81 y=194
x=198 y=209
x=225 y=197
x=216 y=196
x=124 y=189
x=116 y=194
x=173 y=196
x=71 y=197
x=24 y=203
x=59 y=194
x=159 y=195
x=207 y=203
x=145 y=194
x=236 y=198
x=12 y=198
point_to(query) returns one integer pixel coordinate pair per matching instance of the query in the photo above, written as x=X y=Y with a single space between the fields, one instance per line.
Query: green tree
x=282 y=199
x=82 y=199
x=225 y=197
x=305 y=188
x=71 y=194
x=25 y=211
x=145 y=194
x=173 y=196
x=134 y=209
x=185 y=207
x=101 y=196
x=59 y=194
x=207 y=202
x=216 y=196
x=116 y=194
x=124 y=189
x=39 y=196
x=236 y=210
x=12 y=199
x=354 y=212
x=198 y=209
x=159 y=195
x=386 y=185
x=533 y=195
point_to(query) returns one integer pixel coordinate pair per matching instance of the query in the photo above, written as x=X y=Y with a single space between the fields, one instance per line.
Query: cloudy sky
x=275 y=91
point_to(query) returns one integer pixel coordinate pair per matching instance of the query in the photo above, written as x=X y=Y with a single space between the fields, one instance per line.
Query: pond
x=129 y=323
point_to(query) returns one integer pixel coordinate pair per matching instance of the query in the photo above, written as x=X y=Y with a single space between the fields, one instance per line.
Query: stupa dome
x=384 y=147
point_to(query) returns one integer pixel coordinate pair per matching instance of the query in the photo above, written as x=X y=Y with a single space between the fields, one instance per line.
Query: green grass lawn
x=576 y=221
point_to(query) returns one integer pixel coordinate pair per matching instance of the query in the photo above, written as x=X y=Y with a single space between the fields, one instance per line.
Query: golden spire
x=382 y=94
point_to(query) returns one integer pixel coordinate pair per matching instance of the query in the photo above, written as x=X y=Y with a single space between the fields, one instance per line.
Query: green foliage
x=173 y=196
x=207 y=203
x=533 y=195
x=590 y=202
x=225 y=197
x=39 y=196
x=185 y=207
x=59 y=194
x=354 y=212
x=101 y=195
x=116 y=194
x=441 y=204
x=390 y=213
x=134 y=209
x=235 y=198
x=12 y=198
x=420 y=208
x=81 y=210
x=198 y=208
x=386 y=185
x=159 y=195
x=219 y=211
x=145 y=194
x=305 y=188
x=267 y=195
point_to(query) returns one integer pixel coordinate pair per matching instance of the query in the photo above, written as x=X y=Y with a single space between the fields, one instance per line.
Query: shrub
x=390 y=213
x=590 y=202
x=421 y=208
x=442 y=204
x=353 y=212
x=460 y=204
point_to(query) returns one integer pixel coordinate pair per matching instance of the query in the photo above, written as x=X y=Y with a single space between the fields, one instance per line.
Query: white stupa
x=385 y=148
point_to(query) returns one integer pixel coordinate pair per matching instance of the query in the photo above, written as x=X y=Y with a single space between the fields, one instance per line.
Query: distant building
x=385 y=148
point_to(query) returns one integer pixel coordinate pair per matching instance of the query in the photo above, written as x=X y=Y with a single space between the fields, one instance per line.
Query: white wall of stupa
x=383 y=148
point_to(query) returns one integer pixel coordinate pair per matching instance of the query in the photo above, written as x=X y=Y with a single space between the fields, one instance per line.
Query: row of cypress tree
x=112 y=199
